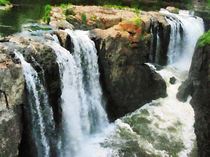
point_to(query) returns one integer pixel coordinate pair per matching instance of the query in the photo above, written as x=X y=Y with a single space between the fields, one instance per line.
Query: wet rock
x=64 y=39
x=127 y=82
x=172 y=80
x=198 y=86
x=43 y=60
x=172 y=9
x=12 y=84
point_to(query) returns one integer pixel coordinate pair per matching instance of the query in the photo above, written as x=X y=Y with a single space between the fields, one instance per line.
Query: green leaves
x=47 y=10
x=4 y=2
x=204 y=39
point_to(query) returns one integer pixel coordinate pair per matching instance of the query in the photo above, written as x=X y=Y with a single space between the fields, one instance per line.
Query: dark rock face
x=198 y=86
x=127 y=82
x=158 y=52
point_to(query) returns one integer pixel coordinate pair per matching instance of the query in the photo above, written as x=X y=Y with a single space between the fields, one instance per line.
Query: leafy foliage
x=204 y=39
x=47 y=10
x=69 y=12
x=137 y=20
x=84 y=18
x=4 y=2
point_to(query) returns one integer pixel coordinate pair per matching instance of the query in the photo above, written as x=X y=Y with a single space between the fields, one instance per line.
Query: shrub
x=47 y=10
x=136 y=10
x=137 y=20
x=204 y=39
x=69 y=12
x=4 y=2
x=84 y=18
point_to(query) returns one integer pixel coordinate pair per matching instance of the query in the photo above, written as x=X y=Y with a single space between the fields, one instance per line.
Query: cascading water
x=163 y=127
x=185 y=31
x=40 y=111
x=82 y=102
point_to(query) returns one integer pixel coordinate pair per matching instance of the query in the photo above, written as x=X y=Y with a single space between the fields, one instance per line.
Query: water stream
x=82 y=100
x=40 y=111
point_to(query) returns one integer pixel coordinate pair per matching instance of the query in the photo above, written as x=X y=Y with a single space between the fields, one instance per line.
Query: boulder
x=127 y=82
x=172 y=80
x=12 y=85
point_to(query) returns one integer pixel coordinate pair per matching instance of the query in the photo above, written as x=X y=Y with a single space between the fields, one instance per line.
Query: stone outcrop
x=43 y=60
x=198 y=86
x=12 y=85
x=127 y=81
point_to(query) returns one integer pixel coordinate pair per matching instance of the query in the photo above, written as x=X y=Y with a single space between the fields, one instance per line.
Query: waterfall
x=185 y=31
x=40 y=112
x=82 y=101
x=164 y=127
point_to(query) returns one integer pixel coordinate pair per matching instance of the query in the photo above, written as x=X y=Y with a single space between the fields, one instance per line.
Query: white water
x=34 y=86
x=181 y=49
x=82 y=103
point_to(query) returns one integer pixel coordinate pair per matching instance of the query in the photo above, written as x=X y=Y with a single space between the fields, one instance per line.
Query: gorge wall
x=198 y=86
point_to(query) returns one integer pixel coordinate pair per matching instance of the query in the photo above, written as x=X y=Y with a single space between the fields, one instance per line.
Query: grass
x=65 y=5
x=204 y=39
x=137 y=20
x=115 y=6
x=4 y=2
x=47 y=10
x=136 y=10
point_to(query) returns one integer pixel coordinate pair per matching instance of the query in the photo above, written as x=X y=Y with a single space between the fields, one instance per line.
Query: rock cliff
x=12 y=85
x=198 y=86
x=127 y=81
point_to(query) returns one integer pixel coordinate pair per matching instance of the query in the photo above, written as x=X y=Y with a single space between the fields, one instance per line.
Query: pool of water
x=11 y=21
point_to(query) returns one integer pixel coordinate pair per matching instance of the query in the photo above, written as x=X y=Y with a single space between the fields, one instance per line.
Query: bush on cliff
x=204 y=39
x=47 y=10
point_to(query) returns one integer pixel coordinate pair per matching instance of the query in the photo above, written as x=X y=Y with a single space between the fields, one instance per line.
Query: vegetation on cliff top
x=204 y=39
x=4 y=2
x=47 y=10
